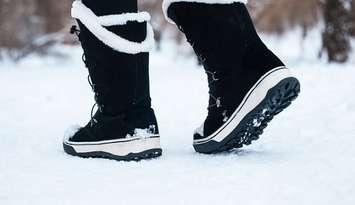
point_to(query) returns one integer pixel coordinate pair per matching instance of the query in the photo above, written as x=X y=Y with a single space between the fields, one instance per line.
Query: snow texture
x=95 y=25
x=305 y=156
x=70 y=132
x=166 y=4
x=141 y=133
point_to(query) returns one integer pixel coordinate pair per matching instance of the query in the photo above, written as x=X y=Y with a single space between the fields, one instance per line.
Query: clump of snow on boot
x=70 y=132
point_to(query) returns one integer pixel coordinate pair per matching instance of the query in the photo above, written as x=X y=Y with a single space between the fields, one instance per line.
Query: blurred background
x=305 y=157
x=34 y=26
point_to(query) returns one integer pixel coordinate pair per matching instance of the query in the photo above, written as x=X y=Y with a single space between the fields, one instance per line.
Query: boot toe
x=71 y=132
x=78 y=134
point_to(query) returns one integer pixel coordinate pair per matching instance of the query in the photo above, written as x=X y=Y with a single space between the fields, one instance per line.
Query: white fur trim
x=95 y=25
x=122 y=19
x=166 y=4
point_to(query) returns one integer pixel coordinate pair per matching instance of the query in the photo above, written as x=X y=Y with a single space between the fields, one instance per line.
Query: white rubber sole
x=121 y=149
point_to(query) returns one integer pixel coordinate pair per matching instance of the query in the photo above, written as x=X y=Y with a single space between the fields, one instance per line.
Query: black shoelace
x=214 y=76
x=95 y=87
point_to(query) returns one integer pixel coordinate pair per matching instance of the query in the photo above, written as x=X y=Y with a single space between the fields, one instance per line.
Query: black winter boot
x=248 y=84
x=116 y=54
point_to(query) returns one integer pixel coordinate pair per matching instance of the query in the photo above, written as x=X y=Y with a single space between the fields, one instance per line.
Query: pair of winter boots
x=248 y=84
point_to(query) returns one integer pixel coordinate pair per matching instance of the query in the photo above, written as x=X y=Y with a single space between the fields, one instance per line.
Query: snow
x=306 y=155
x=70 y=132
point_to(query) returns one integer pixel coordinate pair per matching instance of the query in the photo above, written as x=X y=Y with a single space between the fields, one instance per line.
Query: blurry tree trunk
x=352 y=18
x=336 y=33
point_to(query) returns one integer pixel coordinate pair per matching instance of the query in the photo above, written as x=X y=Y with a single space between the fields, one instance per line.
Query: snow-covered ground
x=306 y=156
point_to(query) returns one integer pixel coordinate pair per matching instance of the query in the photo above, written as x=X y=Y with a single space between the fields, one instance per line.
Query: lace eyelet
x=214 y=77
x=225 y=117
x=218 y=102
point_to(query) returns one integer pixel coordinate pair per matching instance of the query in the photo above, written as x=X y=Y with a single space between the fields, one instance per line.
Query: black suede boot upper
x=119 y=80
x=227 y=44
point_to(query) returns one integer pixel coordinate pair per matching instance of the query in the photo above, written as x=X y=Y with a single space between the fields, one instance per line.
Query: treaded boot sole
x=254 y=122
x=120 y=151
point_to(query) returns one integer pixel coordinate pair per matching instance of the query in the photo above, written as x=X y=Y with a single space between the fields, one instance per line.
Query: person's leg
x=116 y=41
x=108 y=7
x=248 y=83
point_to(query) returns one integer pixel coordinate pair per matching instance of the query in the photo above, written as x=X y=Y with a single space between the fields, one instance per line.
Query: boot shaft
x=119 y=79
x=222 y=35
